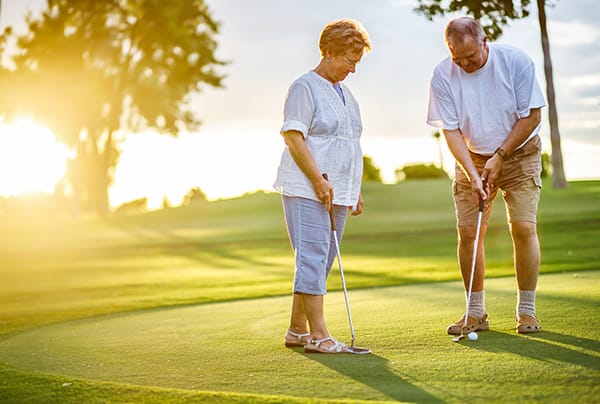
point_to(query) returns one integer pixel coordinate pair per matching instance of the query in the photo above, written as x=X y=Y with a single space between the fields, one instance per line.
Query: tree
x=493 y=15
x=94 y=70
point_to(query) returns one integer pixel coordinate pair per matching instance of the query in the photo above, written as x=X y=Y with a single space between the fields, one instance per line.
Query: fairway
x=190 y=304
x=237 y=347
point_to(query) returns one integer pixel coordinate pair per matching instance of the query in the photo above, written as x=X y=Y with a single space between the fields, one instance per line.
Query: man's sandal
x=301 y=339
x=527 y=324
x=474 y=324
x=314 y=346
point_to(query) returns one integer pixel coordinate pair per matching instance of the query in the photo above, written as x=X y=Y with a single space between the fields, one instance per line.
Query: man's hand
x=491 y=170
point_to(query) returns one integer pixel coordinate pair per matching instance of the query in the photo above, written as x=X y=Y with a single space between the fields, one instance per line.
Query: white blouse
x=332 y=132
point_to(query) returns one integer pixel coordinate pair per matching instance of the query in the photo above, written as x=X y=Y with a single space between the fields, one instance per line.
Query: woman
x=321 y=129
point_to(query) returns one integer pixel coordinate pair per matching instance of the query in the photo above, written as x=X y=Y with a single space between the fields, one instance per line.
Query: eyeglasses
x=351 y=63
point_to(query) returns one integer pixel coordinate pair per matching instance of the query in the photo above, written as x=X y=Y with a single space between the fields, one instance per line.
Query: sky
x=269 y=43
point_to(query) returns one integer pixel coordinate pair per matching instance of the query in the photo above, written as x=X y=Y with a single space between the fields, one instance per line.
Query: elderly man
x=487 y=102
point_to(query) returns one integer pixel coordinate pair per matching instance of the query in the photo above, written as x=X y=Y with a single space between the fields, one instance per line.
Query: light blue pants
x=309 y=229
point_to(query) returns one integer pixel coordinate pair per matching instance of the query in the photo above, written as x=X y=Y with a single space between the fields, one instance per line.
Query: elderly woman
x=321 y=129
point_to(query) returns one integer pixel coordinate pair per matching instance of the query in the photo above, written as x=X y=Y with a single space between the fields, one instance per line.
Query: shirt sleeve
x=299 y=109
x=441 y=112
x=527 y=90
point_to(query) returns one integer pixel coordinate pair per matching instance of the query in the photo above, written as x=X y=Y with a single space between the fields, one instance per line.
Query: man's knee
x=466 y=234
x=523 y=230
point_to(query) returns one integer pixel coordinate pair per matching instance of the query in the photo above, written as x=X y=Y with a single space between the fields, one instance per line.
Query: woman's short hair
x=460 y=27
x=342 y=35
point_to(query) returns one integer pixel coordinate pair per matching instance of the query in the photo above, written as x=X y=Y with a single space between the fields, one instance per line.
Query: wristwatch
x=501 y=153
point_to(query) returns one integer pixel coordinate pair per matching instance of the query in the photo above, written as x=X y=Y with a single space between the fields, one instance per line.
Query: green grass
x=168 y=271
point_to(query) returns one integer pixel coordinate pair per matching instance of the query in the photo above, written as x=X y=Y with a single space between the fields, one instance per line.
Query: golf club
x=473 y=261
x=351 y=348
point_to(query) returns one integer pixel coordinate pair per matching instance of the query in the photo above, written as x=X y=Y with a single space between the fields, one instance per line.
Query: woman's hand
x=355 y=211
x=324 y=192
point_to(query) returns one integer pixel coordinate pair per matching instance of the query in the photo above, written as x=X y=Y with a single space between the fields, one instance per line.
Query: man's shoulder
x=508 y=51
x=444 y=67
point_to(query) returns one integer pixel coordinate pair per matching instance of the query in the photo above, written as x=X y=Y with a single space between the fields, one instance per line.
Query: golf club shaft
x=473 y=262
x=339 y=257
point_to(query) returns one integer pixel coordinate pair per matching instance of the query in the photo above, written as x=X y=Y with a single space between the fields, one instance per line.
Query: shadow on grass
x=543 y=347
x=374 y=372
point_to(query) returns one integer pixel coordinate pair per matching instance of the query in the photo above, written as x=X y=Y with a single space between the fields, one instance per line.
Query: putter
x=351 y=348
x=473 y=261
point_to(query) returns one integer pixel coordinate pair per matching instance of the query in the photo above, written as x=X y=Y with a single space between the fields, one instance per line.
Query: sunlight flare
x=31 y=160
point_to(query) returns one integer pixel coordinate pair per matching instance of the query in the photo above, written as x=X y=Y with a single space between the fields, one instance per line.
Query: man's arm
x=520 y=131
x=458 y=148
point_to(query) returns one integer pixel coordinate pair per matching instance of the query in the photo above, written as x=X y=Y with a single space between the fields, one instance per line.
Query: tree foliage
x=492 y=14
x=94 y=70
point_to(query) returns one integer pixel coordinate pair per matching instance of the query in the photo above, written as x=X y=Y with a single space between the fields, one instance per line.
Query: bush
x=370 y=171
x=546 y=165
x=420 y=171
x=135 y=206
x=194 y=195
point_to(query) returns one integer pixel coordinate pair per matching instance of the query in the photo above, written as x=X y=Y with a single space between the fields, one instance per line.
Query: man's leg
x=466 y=243
x=526 y=254
x=467 y=210
x=527 y=268
x=521 y=186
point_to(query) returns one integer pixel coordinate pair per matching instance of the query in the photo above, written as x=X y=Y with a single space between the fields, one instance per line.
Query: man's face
x=468 y=54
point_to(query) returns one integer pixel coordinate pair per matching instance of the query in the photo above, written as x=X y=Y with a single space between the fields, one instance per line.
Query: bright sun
x=31 y=160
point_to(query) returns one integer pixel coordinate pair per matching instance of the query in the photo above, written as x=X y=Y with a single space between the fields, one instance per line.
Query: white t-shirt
x=331 y=129
x=486 y=104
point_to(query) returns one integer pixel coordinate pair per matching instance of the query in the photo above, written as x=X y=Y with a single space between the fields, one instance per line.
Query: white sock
x=526 y=303
x=477 y=304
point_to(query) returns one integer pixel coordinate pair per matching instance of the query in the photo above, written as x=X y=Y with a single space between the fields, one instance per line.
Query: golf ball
x=473 y=336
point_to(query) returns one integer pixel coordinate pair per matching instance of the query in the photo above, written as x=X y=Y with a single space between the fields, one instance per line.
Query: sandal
x=527 y=324
x=314 y=346
x=474 y=324
x=300 y=341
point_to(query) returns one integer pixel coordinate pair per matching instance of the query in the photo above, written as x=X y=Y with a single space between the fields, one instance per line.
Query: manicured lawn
x=181 y=279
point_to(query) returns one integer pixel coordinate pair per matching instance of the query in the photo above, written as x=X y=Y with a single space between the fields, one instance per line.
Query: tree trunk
x=558 y=173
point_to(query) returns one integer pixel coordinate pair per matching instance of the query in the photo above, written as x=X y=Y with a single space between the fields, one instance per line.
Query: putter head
x=358 y=351
x=459 y=338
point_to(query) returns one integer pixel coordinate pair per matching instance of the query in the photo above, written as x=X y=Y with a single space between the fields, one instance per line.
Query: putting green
x=238 y=346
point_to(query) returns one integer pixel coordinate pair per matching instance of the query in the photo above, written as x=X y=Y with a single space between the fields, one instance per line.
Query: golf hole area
x=238 y=346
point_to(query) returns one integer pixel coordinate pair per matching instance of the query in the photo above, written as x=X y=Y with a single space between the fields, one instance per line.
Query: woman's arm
x=301 y=155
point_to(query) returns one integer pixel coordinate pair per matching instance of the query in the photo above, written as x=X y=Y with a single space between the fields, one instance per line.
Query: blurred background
x=114 y=103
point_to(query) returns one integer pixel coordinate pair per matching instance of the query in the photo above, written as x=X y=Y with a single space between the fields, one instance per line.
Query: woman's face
x=344 y=64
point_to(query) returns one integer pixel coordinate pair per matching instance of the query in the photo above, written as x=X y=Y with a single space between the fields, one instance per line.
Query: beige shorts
x=520 y=182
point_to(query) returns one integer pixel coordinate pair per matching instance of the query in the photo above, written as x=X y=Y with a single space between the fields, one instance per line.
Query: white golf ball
x=473 y=336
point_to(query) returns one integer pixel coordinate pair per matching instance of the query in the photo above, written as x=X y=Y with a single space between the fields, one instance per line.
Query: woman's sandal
x=314 y=346
x=527 y=324
x=300 y=341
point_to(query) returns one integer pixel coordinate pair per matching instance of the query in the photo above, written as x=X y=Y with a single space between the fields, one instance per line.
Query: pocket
x=533 y=146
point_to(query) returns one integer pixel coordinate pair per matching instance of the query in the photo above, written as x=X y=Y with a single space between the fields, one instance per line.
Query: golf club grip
x=481 y=200
x=331 y=217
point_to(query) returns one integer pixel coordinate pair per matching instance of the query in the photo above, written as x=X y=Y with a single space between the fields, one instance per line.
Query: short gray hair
x=339 y=36
x=460 y=27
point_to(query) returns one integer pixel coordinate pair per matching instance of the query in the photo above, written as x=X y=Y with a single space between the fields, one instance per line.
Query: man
x=487 y=102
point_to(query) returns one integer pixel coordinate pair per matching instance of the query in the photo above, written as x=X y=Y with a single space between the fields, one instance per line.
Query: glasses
x=351 y=63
